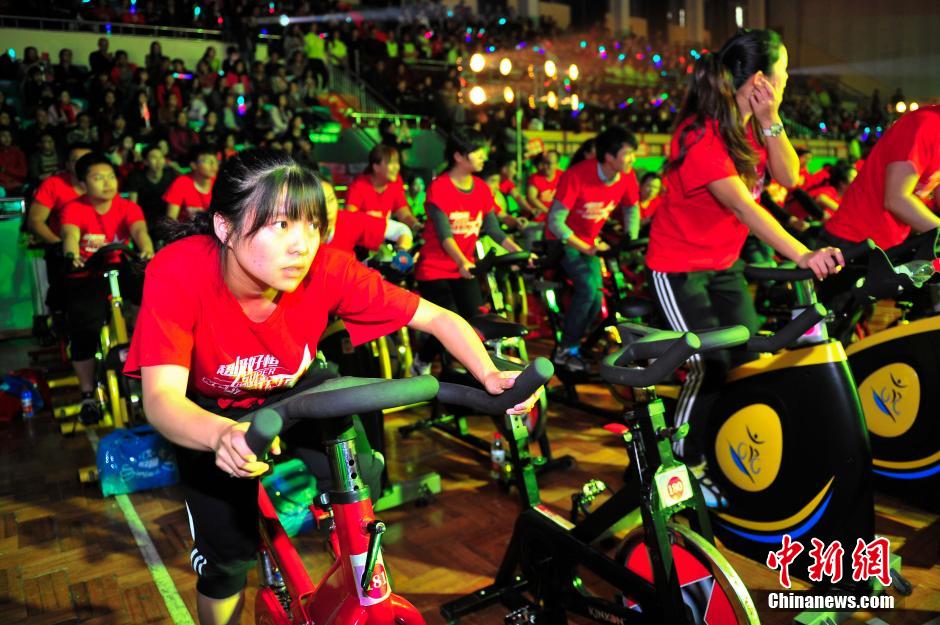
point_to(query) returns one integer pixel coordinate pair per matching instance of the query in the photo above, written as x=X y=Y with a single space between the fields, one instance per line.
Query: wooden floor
x=68 y=556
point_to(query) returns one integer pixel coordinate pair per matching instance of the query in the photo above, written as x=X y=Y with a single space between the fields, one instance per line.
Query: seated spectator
x=304 y=154
x=67 y=76
x=83 y=132
x=64 y=112
x=166 y=88
x=13 y=167
x=6 y=107
x=192 y=193
x=197 y=109
x=169 y=112
x=114 y=132
x=205 y=79
x=29 y=138
x=281 y=115
x=107 y=109
x=123 y=72
x=211 y=59
x=124 y=157
x=147 y=187
x=211 y=132
x=154 y=59
x=237 y=80
x=181 y=137
x=139 y=116
x=44 y=161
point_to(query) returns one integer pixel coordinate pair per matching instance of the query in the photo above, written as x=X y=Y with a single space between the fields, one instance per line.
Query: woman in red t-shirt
x=232 y=313
x=727 y=129
x=379 y=191
x=459 y=204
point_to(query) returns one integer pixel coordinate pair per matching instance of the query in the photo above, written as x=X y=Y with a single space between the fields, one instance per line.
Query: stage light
x=477 y=62
x=505 y=66
x=900 y=107
x=509 y=95
x=573 y=72
x=477 y=95
x=575 y=102
x=550 y=68
x=552 y=100
x=284 y=21
x=913 y=106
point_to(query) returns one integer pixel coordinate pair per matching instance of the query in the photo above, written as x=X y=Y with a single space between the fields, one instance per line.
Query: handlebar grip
x=533 y=377
x=673 y=352
x=264 y=428
x=793 y=274
x=790 y=332
x=723 y=338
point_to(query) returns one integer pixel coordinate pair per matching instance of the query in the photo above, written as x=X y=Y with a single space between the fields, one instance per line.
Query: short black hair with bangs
x=253 y=188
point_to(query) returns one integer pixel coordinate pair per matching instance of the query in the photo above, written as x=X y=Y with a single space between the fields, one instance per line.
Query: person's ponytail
x=201 y=223
x=711 y=97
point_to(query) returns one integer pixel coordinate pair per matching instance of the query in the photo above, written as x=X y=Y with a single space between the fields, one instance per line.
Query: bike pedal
x=526 y=615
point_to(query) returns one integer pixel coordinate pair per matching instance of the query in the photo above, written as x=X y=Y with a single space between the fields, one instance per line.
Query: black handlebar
x=669 y=350
x=921 y=247
x=492 y=259
x=797 y=327
x=790 y=273
x=102 y=256
x=264 y=428
x=534 y=376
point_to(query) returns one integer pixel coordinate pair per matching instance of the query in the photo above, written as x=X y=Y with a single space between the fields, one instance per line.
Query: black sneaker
x=90 y=413
x=569 y=362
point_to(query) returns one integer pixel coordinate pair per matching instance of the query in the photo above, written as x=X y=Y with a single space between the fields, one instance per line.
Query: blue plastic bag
x=134 y=460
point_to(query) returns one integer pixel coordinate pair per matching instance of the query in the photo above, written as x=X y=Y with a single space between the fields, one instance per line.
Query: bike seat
x=495 y=327
x=632 y=306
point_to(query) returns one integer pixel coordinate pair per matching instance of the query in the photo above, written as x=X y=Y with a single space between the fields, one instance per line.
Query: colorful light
x=477 y=95
x=477 y=62
x=220 y=20
x=552 y=100
x=900 y=107
x=583 y=43
x=197 y=10
x=271 y=8
x=573 y=72
x=284 y=21
x=913 y=106
x=550 y=68
x=575 y=102
x=505 y=66
x=657 y=59
x=508 y=94
x=502 y=21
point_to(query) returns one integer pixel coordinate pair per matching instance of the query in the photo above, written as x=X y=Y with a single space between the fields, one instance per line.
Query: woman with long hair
x=728 y=131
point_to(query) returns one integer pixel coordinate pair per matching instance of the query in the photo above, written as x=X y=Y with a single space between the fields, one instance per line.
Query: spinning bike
x=356 y=588
x=664 y=572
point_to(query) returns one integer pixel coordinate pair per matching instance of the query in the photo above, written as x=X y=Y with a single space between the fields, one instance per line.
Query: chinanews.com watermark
x=870 y=561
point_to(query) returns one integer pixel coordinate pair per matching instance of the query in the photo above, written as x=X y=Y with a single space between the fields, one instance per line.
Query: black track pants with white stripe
x=701 y=300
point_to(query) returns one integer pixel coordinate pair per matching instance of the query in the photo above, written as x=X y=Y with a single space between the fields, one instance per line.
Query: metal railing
x=107 y=28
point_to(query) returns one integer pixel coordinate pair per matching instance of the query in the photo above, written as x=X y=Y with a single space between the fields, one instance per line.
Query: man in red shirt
x=542 y=185
x=379 y=191
x=894 y=191
x=587 y=194
x=95 y=219
x=192 y=193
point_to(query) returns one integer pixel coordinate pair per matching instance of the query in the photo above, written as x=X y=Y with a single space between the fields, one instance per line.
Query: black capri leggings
x=459 y=295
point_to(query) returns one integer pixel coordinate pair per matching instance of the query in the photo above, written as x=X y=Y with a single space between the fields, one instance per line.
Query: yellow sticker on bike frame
x=749 y=447
x=890 y=399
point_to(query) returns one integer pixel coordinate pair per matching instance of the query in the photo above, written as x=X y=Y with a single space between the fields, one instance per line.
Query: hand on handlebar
x=466 y=269
x=498 y=381
x=77 y=261
x=823 y=262
x=145 y=254
x=233 y=455
x=600 y=246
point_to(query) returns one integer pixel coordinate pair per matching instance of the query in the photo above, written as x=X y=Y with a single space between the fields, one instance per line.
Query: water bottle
x=919 y=271
x=497 y=456
x=26 y=403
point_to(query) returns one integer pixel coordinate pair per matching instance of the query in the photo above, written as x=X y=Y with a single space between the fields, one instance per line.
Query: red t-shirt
x=465 y=210
x=546 y=191
x=590 y=200
x=506 y=185
x=649 y=209
x=830 y=192
x=183 y=193
x=357 y=230
x=362 y=196
x=190 y=318
x=55 y=192
x=915 y=137
x=99 y=230
x=692 y=230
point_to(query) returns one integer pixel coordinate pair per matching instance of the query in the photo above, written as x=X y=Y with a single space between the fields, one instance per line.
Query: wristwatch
x=775 y=130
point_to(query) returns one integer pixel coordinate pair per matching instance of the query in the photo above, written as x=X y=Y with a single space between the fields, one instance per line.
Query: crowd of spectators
x=415 y=58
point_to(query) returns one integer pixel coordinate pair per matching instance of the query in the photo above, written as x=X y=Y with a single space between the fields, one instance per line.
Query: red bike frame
x=339 y=598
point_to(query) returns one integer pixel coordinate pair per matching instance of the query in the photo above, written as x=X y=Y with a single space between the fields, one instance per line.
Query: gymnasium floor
x=69 y=556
